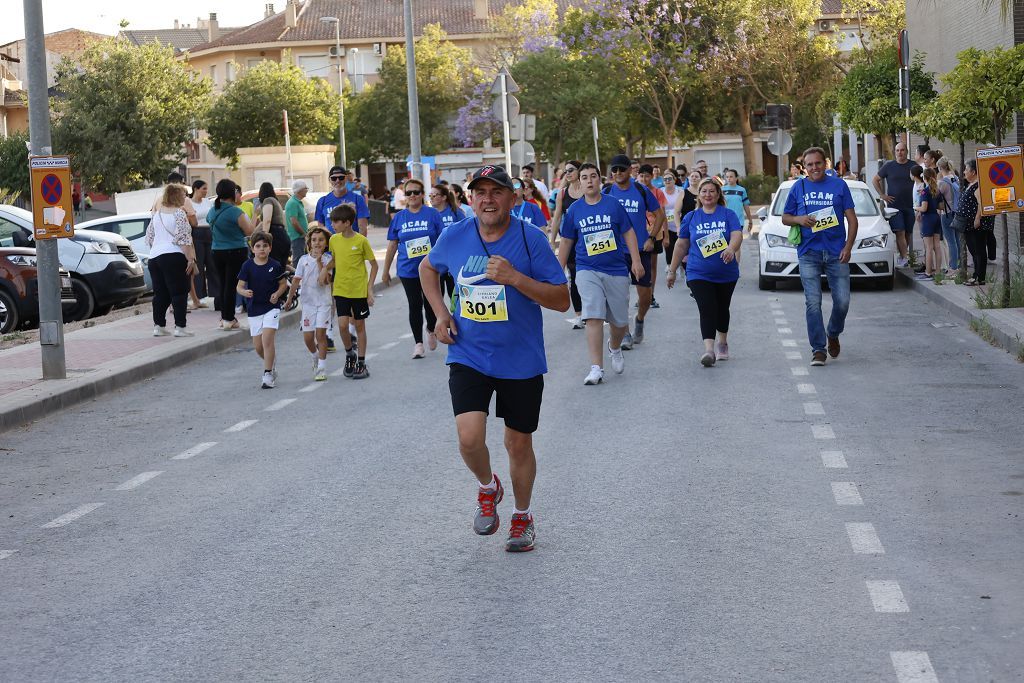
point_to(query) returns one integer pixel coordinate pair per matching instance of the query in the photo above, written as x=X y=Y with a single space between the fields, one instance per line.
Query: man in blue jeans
x=823 y=208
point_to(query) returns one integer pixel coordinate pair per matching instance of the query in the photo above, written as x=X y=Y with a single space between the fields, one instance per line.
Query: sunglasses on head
x=414 y=193
x=619 y=169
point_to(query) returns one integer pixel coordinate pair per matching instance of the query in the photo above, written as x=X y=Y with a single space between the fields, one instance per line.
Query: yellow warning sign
x=1001 y=178
x=53 y=211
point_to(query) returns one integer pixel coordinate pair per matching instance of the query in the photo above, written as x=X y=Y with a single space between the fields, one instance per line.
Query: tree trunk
x=669 y=142
x=962 y=160
x=747 y=136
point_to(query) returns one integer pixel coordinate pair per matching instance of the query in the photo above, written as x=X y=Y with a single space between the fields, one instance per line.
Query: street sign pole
x=504 y=122
x=904 y=76
x=51 y=322
x=414 y=100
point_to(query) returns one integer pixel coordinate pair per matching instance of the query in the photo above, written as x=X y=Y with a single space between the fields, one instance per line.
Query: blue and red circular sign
x=1001 y=173
x=51 y=189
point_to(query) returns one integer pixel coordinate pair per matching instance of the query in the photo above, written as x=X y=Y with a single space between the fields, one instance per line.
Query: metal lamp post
x=341 y=88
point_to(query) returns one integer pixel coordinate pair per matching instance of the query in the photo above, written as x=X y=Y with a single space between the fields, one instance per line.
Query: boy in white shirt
x=317 y=302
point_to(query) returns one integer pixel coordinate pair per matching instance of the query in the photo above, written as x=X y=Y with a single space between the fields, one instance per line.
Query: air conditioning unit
x=333 y=51
x=824 y=26
x=378 y=49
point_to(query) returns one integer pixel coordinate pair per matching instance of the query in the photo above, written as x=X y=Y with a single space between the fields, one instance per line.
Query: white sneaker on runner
x=596 y=375
x=417 y=350
x=268 y=380
x=160 y=331
x=618 y=362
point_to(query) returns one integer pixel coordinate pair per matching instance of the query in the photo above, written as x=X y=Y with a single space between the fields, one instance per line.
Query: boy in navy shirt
x=263 y=281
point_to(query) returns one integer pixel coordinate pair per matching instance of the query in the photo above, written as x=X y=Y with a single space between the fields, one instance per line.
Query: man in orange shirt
x=644 y=176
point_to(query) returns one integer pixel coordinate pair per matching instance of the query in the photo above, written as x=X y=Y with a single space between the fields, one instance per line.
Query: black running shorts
x=645 y=261
x=518 y=400
x=357 y=309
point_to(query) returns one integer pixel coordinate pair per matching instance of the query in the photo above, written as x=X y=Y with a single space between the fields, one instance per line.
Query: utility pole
x=51 y=321
x=414 y=102
x=341 y=88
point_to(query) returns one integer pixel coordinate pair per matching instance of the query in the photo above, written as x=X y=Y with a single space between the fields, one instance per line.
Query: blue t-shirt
x=224 y=227
x=698 y=225
x=658 y=182
x=637 y=200
x=601 y=220
x=530 y=212
x=807 y=196
x=506 y=349
x=448 y=217
x=263 y=281
x=735 y=200
x=409 y=229
x=329 y=201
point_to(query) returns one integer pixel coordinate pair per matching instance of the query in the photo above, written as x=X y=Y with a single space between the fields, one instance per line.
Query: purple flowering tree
x=475 y=122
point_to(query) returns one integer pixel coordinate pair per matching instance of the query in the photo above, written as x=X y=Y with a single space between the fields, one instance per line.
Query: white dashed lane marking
x=283 y=403
x=813 y=408
x=886 y=597
x=137 y=481
x=244 y=424
x=846 y=493
x=805 y=389
x=833 y=460
x=4 y=554
x=310 y=387
x=785 y=330
x=863 y=538
x=67 y=518
x=823 y=432
x=370 y=355
x=789 y=342
x=339 y=372
x=389 y=345
x=793 y=355
x=913 y=667
x=799 y=372
x=407 y=335
x=195 y=450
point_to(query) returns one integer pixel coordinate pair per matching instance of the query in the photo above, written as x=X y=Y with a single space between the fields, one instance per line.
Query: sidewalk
x=1003 y=327
x=116 y=354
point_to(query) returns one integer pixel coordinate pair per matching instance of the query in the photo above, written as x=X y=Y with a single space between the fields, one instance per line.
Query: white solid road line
x=793 y=355
x=887 y=597
x=4 y=554
x=833 y=460
x=310 y=387
x=789 y=342
x=407 y=335
x=284 y=402
x=863 y=538
x=389 y=345
x=823 y=432
x=244 y=424
x=339 y=372
x=846 y=493
x=806 y=389
x=799 y=372
x=913 y=667
x=137 y=481
x=195 y=450
x=80 y=511
x=370 y=355
x=813 y=408
x=785 y=330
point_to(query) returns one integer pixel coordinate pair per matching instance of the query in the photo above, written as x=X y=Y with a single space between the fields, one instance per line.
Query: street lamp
x=341 y=87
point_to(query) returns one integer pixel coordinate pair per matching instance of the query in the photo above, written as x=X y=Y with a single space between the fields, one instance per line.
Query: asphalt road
x=757 y=521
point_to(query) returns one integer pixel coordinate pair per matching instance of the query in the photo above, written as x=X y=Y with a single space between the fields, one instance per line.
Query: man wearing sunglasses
x=340 y=194
x=638 y=201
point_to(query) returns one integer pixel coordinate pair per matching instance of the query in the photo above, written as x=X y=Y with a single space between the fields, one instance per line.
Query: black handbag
x=959 y=223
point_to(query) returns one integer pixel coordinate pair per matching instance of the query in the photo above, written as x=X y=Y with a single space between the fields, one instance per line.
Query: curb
x=1008 y=341
x=45 y=401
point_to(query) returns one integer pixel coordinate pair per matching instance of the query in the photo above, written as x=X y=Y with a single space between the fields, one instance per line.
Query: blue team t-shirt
x=505 y=349
x=410 y=229
x=263 y=281
x=598 y=222
x=699 y=225
x=329 y=201
x=449 y=217
x=806 y=197
x=735 y=200
x=530 y=212
x=637 y=200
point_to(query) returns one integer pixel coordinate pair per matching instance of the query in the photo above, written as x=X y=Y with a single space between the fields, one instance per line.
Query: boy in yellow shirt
x=353 y=290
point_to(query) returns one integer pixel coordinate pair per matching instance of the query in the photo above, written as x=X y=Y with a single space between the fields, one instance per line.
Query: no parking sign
x=1001 y=174
x=52 y=208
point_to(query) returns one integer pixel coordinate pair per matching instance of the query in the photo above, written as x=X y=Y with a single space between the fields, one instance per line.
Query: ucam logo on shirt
x=819 y=198
x=594 y=222
x=630 y=205
x=416 y=226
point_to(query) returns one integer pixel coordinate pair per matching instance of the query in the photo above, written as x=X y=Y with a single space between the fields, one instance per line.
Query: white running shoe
x=182 y=332
x=268 y=380
x=432 y=341
x=321 y=375
x=417 y=350
x=160 y=331
x=618 y=362
x=596 y=375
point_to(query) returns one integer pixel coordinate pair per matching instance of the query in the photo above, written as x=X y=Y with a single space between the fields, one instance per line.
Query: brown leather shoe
x=818 y=359
x=833 y=347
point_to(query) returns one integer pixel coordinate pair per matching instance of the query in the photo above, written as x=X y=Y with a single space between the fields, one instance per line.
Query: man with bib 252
x=822 y=206
x=597 y=228
x=504 y=273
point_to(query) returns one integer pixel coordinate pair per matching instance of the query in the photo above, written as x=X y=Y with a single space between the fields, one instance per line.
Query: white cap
x=299 y=185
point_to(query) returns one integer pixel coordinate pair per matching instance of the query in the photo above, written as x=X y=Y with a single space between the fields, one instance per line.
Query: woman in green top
x=230 y=229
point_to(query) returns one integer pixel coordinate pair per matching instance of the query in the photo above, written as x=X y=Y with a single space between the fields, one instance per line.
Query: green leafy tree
x=14 y=174
x=124 y=112
x=249 y=112
x=445 y=77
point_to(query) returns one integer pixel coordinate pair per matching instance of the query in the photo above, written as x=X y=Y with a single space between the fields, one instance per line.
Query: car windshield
x=863 y=203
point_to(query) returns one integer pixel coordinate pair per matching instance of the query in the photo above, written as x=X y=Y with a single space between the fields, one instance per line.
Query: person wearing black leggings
x=709 y=239
x=230 y=227
x=569 y=191
x=980 y=229
x=412 y=234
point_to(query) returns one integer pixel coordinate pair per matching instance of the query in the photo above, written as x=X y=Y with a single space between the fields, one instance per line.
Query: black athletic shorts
x=658 y=247
x=357 y=309
x=518 y=400
x=645 y=261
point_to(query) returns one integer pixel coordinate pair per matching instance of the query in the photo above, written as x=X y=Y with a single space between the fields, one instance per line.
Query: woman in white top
x=204 y=283
x=172 y=260
x=673 y=193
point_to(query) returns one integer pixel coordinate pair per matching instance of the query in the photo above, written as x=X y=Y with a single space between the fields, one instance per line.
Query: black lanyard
x=522 y=227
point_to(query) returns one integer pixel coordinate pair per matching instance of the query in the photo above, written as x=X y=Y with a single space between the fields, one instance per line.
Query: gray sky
x=103 y=16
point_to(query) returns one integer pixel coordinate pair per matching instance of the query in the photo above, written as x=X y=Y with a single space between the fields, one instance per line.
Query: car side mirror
x=20 y=239
x=762 y=213
x=889 y=212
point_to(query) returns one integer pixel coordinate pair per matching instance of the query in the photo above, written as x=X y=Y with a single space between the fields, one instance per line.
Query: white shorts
x=316 y=317
x=268 y=321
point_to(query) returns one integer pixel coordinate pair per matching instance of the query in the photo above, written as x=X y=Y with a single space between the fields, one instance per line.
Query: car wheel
x=765 y=284
x=8 y=313
x=85 y=302
x=887 y=283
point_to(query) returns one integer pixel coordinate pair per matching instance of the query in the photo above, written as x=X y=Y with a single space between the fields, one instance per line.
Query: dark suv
x=19 y=289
